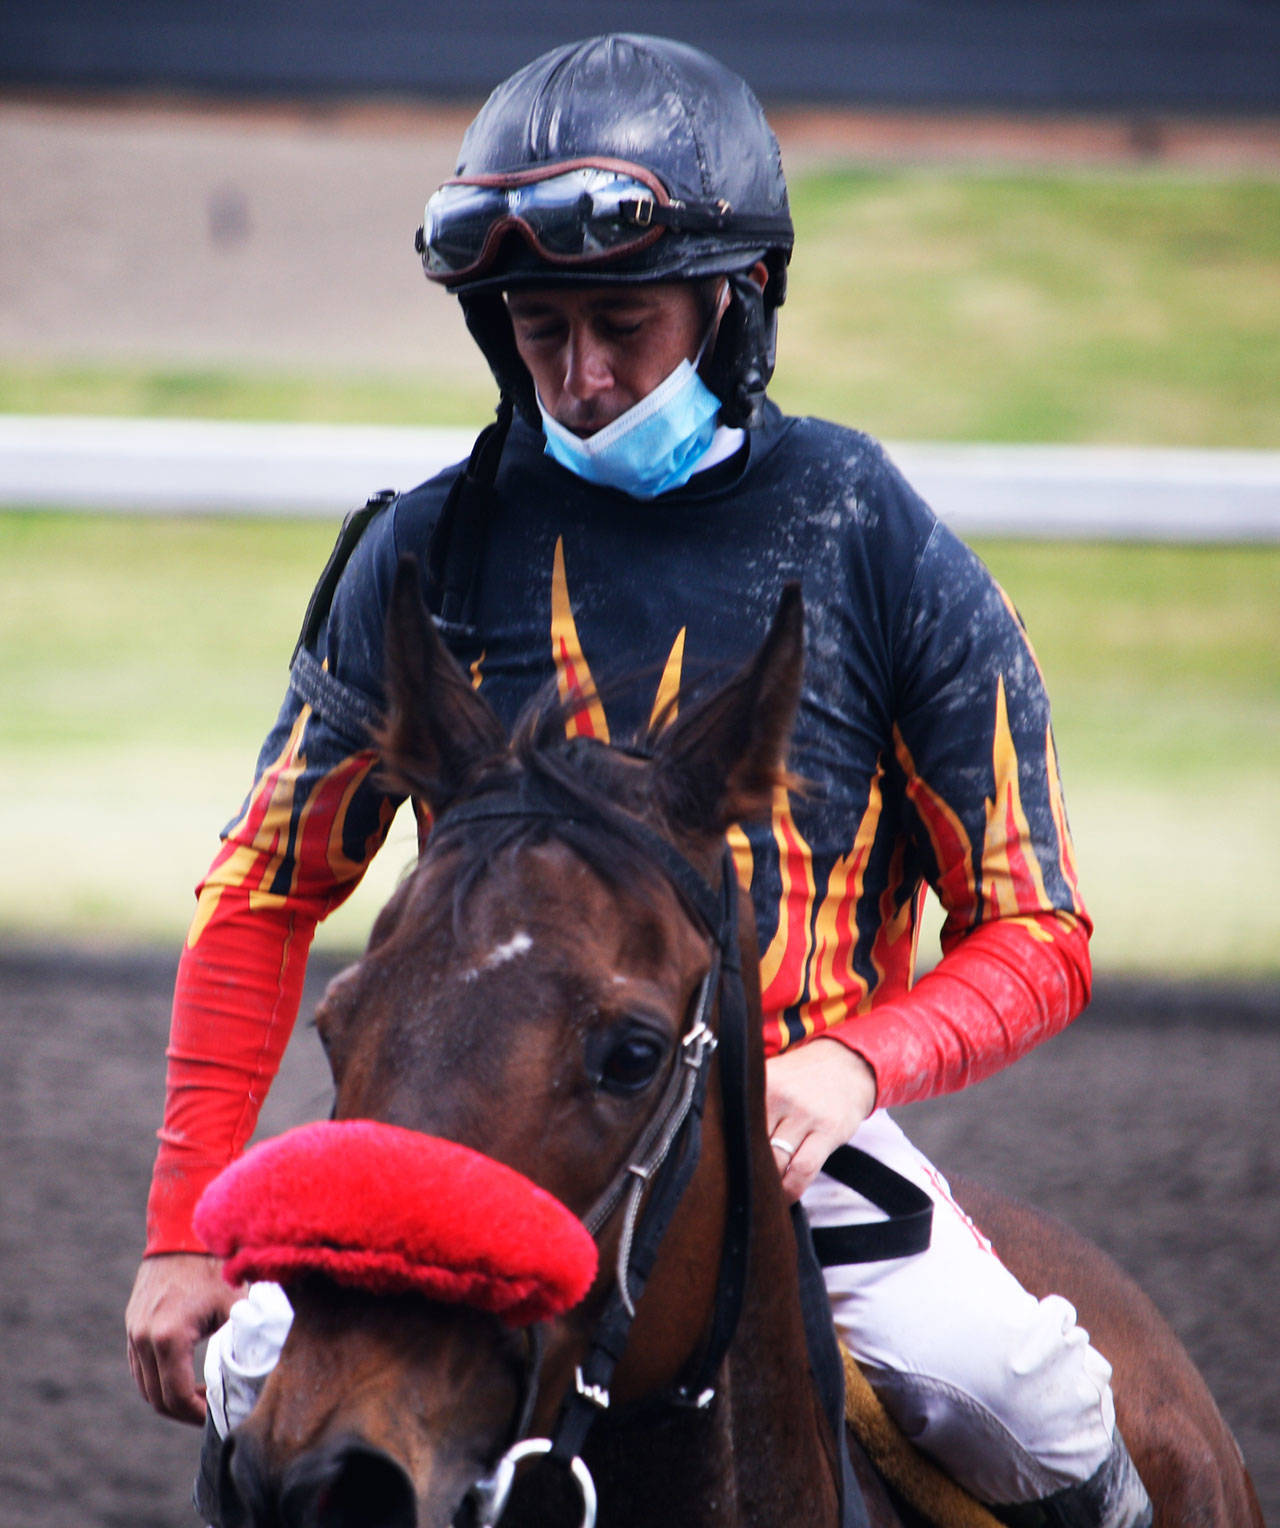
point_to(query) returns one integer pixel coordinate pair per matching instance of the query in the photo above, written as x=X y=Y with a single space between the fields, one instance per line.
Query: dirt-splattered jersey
x=923 y=736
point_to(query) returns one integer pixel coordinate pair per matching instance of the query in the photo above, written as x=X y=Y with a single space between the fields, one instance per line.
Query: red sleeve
x=237 y=995
x=310 y=826
x=1001 y=990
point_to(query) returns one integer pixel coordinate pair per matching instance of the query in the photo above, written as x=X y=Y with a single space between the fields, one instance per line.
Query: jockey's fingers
x=182 y=1399
x=804 y=1166
x=146 y=1372
x=137 y=1368
x=167 y=1363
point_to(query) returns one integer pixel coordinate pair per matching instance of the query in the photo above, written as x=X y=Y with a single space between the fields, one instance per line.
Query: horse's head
x=529 y=992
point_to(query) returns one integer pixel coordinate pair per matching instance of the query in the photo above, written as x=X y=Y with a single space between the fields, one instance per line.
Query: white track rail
x=160 y=466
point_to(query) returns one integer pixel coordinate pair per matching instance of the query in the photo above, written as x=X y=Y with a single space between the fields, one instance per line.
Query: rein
x=660 y=1165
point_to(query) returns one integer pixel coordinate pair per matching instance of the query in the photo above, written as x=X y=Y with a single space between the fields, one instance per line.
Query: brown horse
x=534 y=990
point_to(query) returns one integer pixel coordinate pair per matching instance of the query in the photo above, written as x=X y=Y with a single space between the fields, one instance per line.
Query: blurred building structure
x=1202 y=56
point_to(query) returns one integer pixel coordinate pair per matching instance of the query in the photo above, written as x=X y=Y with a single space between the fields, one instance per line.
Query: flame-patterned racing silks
x=923 y=745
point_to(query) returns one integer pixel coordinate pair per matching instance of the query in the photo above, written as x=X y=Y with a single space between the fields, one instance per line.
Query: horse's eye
x=631 y=1063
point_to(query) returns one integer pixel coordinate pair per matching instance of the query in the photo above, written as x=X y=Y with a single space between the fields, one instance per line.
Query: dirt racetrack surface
x=1150 y=1126
x=192 y=234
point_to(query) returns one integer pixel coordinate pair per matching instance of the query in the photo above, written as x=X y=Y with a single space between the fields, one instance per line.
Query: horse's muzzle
x=348 y=1484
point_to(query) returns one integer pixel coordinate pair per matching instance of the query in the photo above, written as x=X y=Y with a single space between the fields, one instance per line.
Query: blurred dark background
x=1203 y=56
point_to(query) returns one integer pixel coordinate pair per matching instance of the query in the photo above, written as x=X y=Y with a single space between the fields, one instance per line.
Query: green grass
x=132 y=389
x=1125 y=306
x=1133 y=305
x=1163 y=663
x=153 y=632
x=144 y=659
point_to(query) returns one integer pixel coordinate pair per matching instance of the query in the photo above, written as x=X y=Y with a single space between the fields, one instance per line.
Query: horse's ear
x=722 y=759
x=438 y=731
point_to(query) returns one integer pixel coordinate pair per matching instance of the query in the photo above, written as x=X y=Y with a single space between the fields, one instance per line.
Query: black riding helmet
x=619 y=159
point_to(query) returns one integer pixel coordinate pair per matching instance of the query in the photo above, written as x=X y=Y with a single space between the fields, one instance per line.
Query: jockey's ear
x=723 y=758
x=438 y=732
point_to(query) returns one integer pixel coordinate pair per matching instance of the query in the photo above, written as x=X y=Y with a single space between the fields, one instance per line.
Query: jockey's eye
x=629 y=1061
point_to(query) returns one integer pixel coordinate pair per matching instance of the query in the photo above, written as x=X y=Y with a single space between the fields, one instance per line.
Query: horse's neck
x=755 y=1457
x=762 y=1452
x=786 y=1463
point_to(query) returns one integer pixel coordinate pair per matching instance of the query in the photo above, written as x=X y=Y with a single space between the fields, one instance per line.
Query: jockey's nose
x=587 y=370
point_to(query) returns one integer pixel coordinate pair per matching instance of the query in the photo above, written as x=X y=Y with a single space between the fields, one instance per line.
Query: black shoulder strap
x=348 y=710
x=453 y=558
x=457 y=542
x=353 y=527
x=908 y=1229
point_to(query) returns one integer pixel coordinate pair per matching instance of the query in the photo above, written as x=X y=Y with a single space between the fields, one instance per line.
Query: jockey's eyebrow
x=536 y=304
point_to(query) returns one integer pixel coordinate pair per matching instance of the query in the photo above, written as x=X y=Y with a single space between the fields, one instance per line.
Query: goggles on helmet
x=576 y=212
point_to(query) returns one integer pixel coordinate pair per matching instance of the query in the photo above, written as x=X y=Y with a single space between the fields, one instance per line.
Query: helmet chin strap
x=490 y=326
x=742 y=360
x=712 y=332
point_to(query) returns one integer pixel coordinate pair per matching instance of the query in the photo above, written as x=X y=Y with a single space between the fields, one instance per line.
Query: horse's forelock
x=604 y=790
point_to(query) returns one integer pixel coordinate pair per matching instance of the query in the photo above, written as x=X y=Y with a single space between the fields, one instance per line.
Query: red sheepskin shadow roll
x=393 y=1211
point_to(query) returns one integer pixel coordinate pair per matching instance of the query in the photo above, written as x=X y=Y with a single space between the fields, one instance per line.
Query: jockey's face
x=594 y=352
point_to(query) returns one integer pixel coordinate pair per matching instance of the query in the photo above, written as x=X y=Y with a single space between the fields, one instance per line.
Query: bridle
x=661 y=1164
x=651 y=1183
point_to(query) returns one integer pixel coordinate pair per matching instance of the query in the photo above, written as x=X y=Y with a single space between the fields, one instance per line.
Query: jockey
x=618 y=235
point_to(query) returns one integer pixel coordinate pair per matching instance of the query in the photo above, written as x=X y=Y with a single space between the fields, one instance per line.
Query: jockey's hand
x=178 y=1298
x=816 y=1096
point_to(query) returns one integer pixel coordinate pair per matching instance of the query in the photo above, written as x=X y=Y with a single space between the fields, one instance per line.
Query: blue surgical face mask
x=654 y=447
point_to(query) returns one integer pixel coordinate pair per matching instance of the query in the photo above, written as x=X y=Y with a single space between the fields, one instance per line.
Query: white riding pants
x=1003 y=1390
